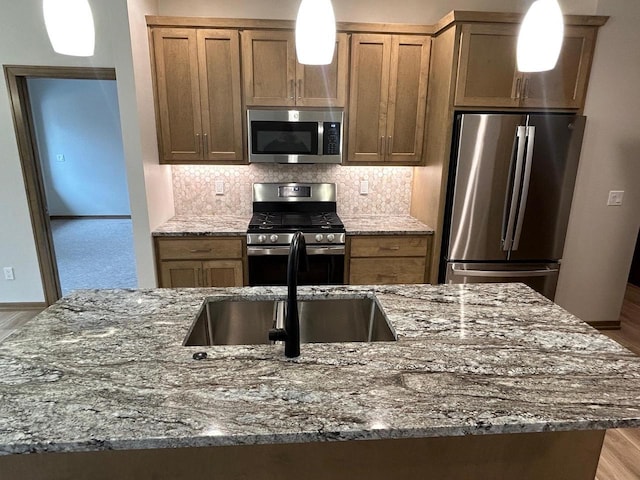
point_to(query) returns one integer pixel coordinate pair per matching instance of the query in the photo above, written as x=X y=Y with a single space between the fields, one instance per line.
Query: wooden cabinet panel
x=273 y=77
x=566 y=84
x=178 y=93
x=377 y=271
x=388 y=97
x=407 y=98
x=269 y=67
x=325 y=85
x=222 y=273
x=198 y=95
x=179 y=274
x=200 y=262
x=388 y=259
x=183 y=248
x=219 y=67
x=487 y=72
x=391 y=246
x=370 y=57
x=488 y=75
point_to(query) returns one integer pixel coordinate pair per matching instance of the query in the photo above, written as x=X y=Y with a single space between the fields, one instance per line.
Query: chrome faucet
x=291 y=331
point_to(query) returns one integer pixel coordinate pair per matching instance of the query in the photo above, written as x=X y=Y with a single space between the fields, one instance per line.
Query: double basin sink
x=247 y=322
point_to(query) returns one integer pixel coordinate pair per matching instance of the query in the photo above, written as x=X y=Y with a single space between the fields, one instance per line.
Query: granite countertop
x=106 y=370
x=384 y=225
x=204 y=225
x=236 y=225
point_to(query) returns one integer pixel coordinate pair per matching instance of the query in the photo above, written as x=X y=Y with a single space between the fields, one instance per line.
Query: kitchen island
x=482 y=376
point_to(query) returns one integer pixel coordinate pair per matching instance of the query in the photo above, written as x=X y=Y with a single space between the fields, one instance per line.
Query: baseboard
x=88 y=217
x=603 y=325
x=23 y=306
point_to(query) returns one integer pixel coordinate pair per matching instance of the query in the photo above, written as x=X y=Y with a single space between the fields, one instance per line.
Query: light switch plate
x=8 y=273
x=219 y=187
x=615 y=198
x=364 y=187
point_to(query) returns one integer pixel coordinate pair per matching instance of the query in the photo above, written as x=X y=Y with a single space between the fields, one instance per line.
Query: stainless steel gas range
x=280 y=210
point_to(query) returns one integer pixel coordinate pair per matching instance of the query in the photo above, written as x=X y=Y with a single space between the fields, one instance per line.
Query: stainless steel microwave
x=295 y=136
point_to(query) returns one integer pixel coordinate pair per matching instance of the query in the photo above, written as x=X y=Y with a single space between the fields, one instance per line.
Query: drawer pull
x=396 y=247
x=199 y=250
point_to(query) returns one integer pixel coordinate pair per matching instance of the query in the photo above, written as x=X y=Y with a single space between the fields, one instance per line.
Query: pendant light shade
x=315 y=32
x=540 y=38
x=70 y=26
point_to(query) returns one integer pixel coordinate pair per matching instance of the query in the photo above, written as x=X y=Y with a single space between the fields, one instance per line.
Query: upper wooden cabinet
x=197 y=81
x=387 y=99
x=273 y=77
x=488 y=74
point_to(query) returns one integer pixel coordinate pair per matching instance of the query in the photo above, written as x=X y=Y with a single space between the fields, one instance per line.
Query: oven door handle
x=284 y=250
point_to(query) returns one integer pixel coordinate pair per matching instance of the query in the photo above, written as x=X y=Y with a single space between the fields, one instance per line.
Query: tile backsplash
x=193 y=187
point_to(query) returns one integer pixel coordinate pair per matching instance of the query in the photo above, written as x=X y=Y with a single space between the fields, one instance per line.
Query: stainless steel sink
x=247 y=322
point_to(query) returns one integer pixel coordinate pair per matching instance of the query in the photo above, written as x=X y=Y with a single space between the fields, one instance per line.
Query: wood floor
x=620 y=457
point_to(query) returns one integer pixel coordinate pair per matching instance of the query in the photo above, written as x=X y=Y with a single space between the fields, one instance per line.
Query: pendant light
x=540 y=38
x=315 y=32
x=70 y=26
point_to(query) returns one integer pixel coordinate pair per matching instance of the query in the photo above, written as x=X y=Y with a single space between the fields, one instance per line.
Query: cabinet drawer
x=376 y=271
x=177 y=249
x=393 y=246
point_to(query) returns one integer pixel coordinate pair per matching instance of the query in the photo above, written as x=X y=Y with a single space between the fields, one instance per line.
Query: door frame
x=16 y=78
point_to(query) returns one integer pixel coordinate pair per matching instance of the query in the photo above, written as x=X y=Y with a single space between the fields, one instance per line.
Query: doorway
x=78 y=227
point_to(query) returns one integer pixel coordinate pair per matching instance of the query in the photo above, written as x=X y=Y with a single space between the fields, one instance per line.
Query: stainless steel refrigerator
x=510 y=190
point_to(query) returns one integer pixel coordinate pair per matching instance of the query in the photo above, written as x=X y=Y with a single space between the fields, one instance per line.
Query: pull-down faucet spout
x=291 y=332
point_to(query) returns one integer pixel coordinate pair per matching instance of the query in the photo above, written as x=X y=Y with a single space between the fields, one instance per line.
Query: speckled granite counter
x=204 y=225
x=106 y=370
x=384 y=225
x=236 y=225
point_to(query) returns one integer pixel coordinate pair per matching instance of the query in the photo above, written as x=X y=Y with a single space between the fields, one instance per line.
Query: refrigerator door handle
x=507 y=242
x=531 y=135
x=463 y=272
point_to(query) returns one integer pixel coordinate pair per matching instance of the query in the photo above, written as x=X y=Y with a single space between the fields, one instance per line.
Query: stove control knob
x=273 y=238
x=262 y=238
x=319 y=237
x=331 y=237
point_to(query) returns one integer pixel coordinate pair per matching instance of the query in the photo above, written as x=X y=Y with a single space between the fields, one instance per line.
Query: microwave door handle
x=531 y=135
x=521 y=134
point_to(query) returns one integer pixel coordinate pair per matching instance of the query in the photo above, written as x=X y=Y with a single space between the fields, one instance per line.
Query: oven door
x=268 y=266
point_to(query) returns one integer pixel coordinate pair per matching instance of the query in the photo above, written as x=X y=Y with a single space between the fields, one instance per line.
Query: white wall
x=379 y=11
x=23 y=41
x=601 y=239
x=80 y=120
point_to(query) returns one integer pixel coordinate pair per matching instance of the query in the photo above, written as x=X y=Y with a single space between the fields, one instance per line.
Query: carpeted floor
x=94 y=253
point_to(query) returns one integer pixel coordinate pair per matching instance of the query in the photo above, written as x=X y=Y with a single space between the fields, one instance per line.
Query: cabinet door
x=181 y=273
x=565 y=86
x=222 y=273
x=324 y=85
x=269 y=63
x=368 y=100
x=219 y=67
x=178 y=94
x=407 y=98
x=487 y=69
x=386 y=271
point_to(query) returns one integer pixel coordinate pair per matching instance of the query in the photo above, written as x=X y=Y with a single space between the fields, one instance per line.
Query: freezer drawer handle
x=503 y=274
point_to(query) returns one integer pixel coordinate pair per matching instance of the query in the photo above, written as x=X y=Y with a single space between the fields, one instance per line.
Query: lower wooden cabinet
x=198 y=262
x=379 y=260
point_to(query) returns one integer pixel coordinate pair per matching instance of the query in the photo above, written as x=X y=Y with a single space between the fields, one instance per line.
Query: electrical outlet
x=60 y=157
x=8 y=273
x=219 y=187
x=615 y=198
x=364 y=187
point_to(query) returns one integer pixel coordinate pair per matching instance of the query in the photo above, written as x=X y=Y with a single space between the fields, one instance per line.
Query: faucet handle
x=277 y=334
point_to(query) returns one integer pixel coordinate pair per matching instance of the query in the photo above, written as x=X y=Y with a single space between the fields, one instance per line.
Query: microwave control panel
x=331 y=138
